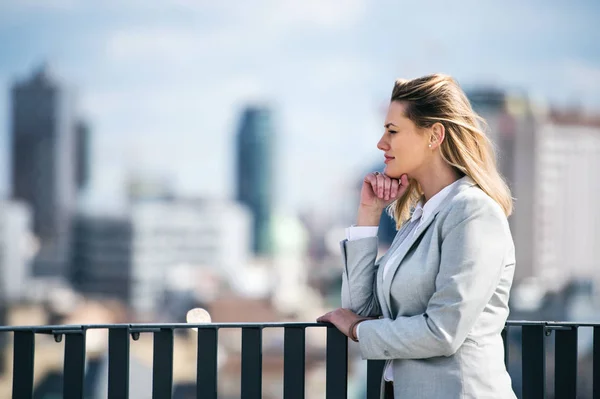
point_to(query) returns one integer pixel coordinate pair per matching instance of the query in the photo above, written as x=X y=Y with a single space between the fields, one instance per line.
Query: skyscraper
x=255 y=180
x=43 y=164
x=566 y=201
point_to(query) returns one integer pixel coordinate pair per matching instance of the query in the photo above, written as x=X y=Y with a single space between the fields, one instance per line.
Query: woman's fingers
x=380 y=185
x=325 y=318
x=394 y=188
x=373 y=181
x=387 y=185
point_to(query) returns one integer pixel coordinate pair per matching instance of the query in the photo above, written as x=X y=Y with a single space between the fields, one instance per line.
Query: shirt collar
x=424 y=211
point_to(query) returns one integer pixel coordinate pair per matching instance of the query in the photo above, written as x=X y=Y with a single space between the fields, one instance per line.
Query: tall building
x=137 y=257
x=567 y=198
x=512 y=125
x=16 y=250
x=548 y=160
x=44 y=164
x=255 y=178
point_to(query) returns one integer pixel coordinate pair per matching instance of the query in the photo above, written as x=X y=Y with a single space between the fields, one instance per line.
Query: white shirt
x=421 y=214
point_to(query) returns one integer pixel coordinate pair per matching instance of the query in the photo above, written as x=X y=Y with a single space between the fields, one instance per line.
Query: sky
x=162 y=83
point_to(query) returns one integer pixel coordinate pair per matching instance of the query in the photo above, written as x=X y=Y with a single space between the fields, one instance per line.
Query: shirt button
x=386 y=353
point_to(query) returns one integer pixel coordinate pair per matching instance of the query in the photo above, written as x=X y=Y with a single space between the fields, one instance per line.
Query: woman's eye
x=392 y=131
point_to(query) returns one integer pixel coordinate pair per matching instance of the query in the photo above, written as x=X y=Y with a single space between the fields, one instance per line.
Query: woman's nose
x=382 y=145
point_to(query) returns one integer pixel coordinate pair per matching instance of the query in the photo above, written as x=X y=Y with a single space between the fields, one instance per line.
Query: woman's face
x=405 y=146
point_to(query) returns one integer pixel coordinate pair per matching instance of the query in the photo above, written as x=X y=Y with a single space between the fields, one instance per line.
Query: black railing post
x=252 y=362
x=374 y=376
x=118 y=363
x=162 y=365
x=565 y=363
x=74 y=366
x=206 y=363
x=293 y=362
x=337 y=364
x=534 y=362
x=23 y=358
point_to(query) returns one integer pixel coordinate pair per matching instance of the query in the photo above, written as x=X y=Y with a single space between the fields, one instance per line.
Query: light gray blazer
x=443 y=304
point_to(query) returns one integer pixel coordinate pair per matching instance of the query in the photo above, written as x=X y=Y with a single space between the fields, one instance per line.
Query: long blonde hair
x=466 y=147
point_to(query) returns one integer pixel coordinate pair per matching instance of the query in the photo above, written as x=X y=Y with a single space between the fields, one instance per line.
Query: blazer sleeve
x=359 y=277
x=471 y=263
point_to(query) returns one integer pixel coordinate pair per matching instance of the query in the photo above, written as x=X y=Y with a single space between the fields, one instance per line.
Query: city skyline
x=153 y=87
x=198 y=157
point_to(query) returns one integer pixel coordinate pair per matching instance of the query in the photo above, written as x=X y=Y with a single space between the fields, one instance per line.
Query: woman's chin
x=390 y=172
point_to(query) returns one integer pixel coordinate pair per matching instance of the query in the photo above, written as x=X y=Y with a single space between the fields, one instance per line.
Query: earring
x=429 y=145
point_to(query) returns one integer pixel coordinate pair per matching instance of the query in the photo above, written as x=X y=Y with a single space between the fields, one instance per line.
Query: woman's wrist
x=355 y=330
x=368 y=216
x=354 y=327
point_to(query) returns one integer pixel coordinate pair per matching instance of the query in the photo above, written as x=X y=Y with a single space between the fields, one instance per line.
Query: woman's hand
x=379 y=190
x=342 y=319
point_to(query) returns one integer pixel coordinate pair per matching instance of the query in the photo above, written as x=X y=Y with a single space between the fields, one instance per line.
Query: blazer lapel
x=409 y=241
x=407 y=244
x=384 y=299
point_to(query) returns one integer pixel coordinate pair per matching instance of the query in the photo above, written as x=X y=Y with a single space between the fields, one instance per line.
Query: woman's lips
x=388 y=159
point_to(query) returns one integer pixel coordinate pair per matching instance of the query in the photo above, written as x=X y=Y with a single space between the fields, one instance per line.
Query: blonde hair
x=438 y=98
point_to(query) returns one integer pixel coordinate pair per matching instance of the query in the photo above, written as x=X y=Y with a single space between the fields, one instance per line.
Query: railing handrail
x=67 y=327
x=552 y=323
x=49 y=329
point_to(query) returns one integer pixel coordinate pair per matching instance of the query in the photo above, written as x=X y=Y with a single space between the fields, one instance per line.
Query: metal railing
x=533 y=357
x=533 y=352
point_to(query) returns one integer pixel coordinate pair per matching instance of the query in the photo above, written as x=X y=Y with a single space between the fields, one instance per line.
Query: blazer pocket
x=472 y=341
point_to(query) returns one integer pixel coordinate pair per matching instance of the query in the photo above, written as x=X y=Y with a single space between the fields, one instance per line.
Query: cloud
x=333 y=14
x=139 y=44
x=42 y=5
x=170 y=44
x=339 y=71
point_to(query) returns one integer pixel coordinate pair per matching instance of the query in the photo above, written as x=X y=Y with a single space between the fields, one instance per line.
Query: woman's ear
x=438 y=134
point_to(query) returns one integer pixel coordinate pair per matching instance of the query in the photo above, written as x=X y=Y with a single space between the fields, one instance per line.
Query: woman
x=435 y=304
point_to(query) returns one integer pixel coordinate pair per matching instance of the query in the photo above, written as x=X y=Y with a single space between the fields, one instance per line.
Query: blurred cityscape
x=160 y=252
